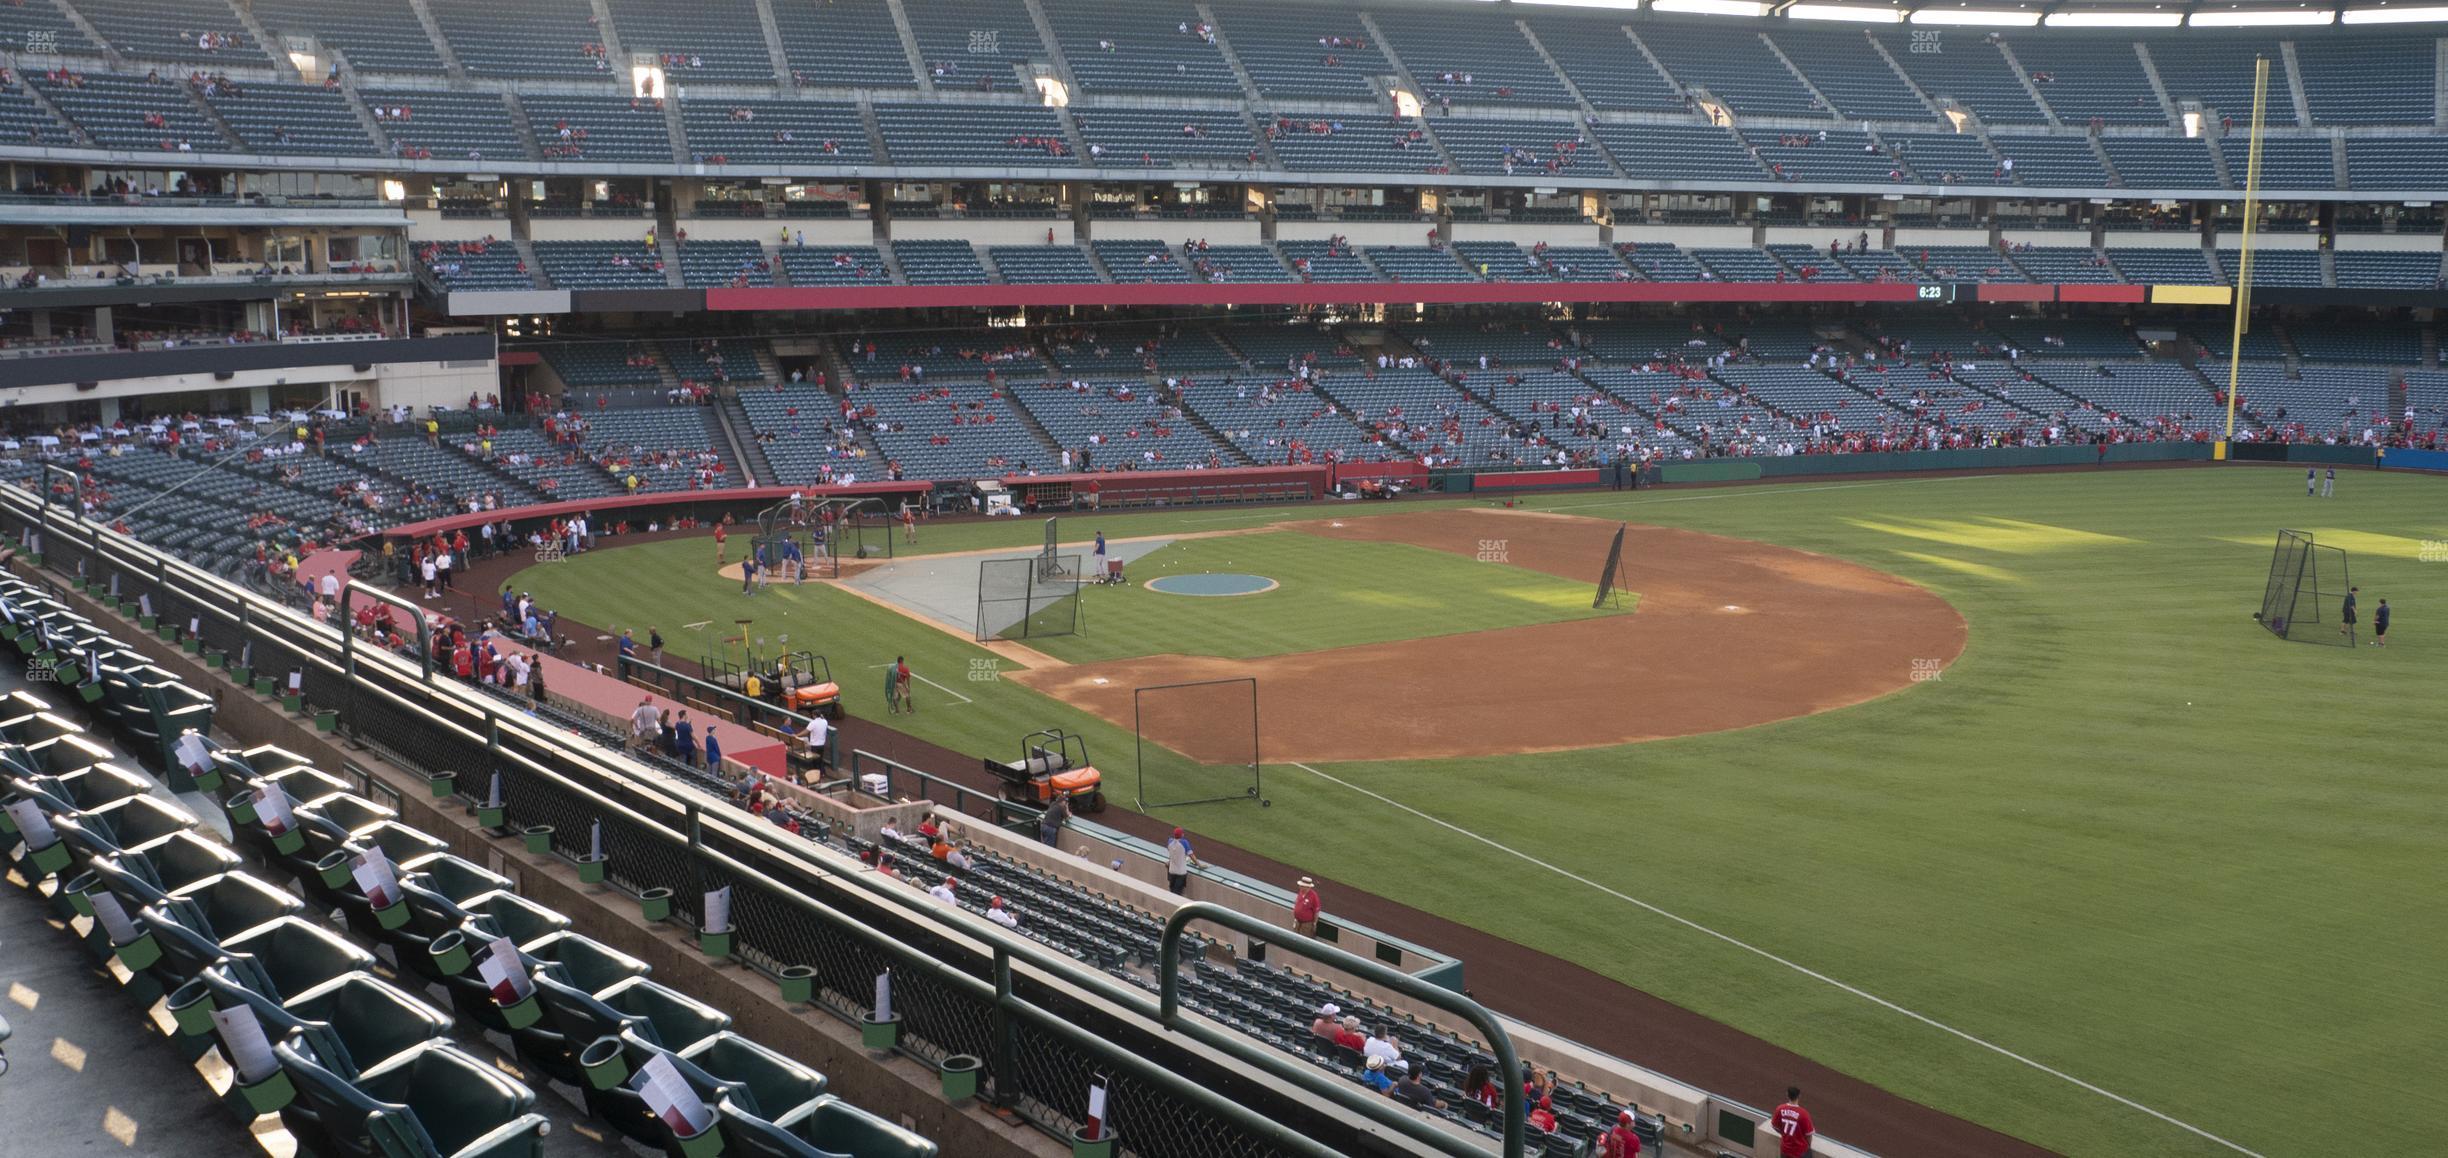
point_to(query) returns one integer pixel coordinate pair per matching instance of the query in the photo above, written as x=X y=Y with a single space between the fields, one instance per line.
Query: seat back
x=370 y=1019
x=776 y=1084
x=675 y=1020
x=754 y=1137
x=586 y=964
x=577 y=1013
x=349 y=1116
x=836 y=1125
x=297 y=956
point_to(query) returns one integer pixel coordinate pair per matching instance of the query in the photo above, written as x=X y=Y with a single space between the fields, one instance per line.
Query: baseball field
x=1986 y=790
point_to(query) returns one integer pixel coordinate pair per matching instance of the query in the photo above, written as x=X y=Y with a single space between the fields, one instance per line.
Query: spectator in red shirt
x=1620 y=1142
x=1305 y=906
x=1349 y=1036
x=1543 y=1116
x=1793 y=1126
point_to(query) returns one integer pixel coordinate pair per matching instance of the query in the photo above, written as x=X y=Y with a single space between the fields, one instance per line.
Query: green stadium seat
x=775 y=1084
x=428 y=1103
x=296 y=956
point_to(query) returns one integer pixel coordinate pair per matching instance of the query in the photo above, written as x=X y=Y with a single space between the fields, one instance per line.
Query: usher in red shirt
x=1794 y=1123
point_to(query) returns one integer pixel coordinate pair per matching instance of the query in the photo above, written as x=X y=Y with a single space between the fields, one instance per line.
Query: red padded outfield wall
x=898 y=297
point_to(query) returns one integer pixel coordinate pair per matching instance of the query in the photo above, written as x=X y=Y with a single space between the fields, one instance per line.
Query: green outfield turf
x=1329 y=593
x=2128 y=835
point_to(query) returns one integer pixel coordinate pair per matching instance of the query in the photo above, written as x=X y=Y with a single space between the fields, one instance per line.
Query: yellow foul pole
x=2244 y=259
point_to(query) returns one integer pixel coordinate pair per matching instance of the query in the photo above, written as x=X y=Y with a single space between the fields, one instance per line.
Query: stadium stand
x=844 y=43
x=1592 y=53
x=1974 y=75
x=2398 y=346
x=812 y=133
x=2089 y=76
x=974 y=45
x=950 y=430
x=717 y=42
x=376 y=36
x=1241 y=263
x=1043 y=264
x=291 y=119
x=548 y=38
x=1418 y=263
x=1841 y=66
x=1662 y=261
x=2286 y=162
x=2157 y=266
x=599 y=128
x=1466 y=57
x=205 y=35
x=2395 y=163
x=2367 y=80
x=1840 y=155
x=1738 y=69
x=1942 y=158
x=1324 y=261
x=1364 y=142
x=137 y=115
x=453 y=125
x=601 y=264
x=1121 y=422
x=1666 y=152
x=938 y=263
x=815 y=265
x=2217 y=70
x=1298 y=52
x=1740 y=264
x=2379 y=269
x=2053 y=162
x=2159 y=163
x=33 y=28
x=2287 y=267
x=931 y=134
x=1166 y=137
x=1553 y=148
x=1117 y=47
x=1140 y=261
x=725 y=263
x=475 y=266
x=2064 y=264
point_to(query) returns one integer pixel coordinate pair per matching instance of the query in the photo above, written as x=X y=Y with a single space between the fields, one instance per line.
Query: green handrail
x=1508 y=1063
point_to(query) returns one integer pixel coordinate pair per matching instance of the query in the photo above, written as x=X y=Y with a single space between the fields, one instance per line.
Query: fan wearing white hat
x=1329 y=1019
x=1375 y=1076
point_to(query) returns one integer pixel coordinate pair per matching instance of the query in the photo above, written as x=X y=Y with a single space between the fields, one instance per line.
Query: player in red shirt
x=1793 y=1125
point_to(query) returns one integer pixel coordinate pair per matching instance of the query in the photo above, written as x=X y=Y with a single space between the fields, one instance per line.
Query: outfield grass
x=1329 y=593
x=2127 y=835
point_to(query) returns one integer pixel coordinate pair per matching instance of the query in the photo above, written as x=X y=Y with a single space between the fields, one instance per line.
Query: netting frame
x=1049 y=557
x=1139 y=736
x=2305 y=577
x=1041 y=599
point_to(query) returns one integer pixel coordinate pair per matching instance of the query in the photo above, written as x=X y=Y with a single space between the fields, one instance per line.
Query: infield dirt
x=1728 y=634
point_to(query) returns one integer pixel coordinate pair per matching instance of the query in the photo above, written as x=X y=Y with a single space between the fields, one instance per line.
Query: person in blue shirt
x=684 y=738
x=1374 y=1077
x=509 y=604
x=628 y=645
x=796 y=562
x=713 y=751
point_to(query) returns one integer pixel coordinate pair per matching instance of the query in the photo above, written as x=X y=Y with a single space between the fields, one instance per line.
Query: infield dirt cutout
x=1729 y=633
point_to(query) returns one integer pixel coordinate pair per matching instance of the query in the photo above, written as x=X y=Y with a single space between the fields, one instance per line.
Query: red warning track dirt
x=1728 y=634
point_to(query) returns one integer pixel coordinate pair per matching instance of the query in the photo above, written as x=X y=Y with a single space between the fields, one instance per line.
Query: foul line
x=1793 y=965
x=928 y=682
x=1734 y=492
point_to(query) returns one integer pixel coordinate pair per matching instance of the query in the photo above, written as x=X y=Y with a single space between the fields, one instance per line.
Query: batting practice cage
x=1022 y=598
x=2306 y=596
x=1198 y=742
x=1610 y=591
